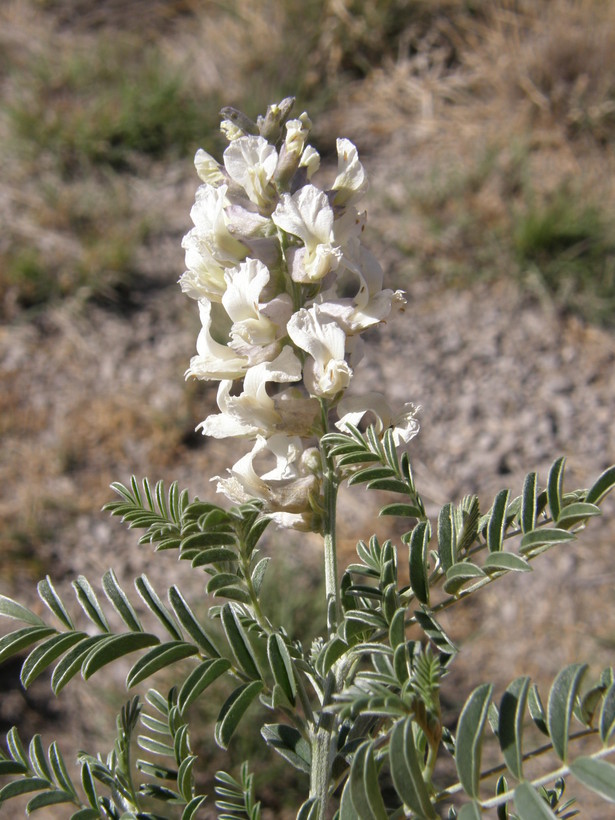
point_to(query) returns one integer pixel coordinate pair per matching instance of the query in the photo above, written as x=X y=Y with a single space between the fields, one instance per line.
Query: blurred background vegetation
x=487 y=126
x=98 y=98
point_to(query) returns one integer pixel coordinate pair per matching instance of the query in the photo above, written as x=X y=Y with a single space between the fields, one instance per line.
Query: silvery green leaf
x=189 y=812
x=58 y=767
x=459 y=574
x=51 y=598
x=38 y=758
x=120 y=602
x=12 y=609
x=89 y=603
x=331 y=652
x=469 y=516
x=16 y=748
x=364 y=788
x=71 y=663
x=554 y=487
x=537 y=711
x=289 y=743
x=24 y=785
x=497 y=521
x=435 y=632
x=447 y=537
x=603 y=485
x=258 y=574
x=200 y=679
x=470 y=811
x=156 y=747
x=470 y=738
x=234 y=709
x=158 y=658
x=238 y=641
x=221 y=580
x=510 y=726
x=12 y=767
x=406 y=770
x=529 y=503
x=370 y=474
x=561 y=702
x=112 y=647
x=309 y=810
x=87 y=782
x=401 y=510
x=543 y=538
x=213 y=555
x=207 y=540
x=14 y=642
x=597 y=775
x=419 y=570
x=397 y=628
x=507 y=562
x=530 y=805
x=46 y=653
x=185 y=779
x=606 y=721
x=150 y=597
x=577 y=512
x=188 y=620
x=281 y=666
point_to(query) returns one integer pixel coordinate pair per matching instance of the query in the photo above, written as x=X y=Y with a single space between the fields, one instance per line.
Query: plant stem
x=322 y=739
x=330 y=487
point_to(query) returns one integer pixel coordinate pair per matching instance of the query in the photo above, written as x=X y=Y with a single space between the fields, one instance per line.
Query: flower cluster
x=285 y=288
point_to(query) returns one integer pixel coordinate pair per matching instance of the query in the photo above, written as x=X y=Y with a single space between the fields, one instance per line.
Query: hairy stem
x=322 y=739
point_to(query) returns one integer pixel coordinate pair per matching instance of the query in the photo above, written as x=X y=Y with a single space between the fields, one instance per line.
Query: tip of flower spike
x=271 y=124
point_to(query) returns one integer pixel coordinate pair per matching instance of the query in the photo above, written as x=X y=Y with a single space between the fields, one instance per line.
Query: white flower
x=308 y=215
x=287 y=488
x=208 y=169
x=214 y=360
x=210 y=225
x=353 y=409
x=252 y=326
x=351 y=181
x=297 y=132
x=205 y=275
x=254 y=411
x=251 y=163
x=370 y=304
x=310 y=160
x=326 y=372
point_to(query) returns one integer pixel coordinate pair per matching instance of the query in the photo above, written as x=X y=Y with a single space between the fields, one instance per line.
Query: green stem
x=330 y=487
x=563 y=771
x=322 y=738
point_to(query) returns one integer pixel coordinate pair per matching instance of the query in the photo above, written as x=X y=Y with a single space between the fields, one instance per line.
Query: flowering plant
x=285 y=288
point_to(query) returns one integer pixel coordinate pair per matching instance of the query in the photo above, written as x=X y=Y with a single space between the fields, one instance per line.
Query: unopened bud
x=271 y=124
